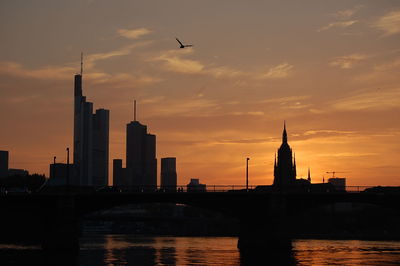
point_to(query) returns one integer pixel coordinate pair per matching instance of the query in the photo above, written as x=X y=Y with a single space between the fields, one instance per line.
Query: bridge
x=264 y=216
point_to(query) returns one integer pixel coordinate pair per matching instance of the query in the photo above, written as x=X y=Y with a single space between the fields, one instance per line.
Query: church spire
x=284 y=135
x=309 y=175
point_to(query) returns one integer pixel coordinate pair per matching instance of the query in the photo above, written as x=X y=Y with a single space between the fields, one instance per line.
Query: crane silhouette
x=183 y=45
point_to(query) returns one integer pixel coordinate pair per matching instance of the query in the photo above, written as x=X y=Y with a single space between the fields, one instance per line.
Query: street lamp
x=247 y=174
x=67 y=167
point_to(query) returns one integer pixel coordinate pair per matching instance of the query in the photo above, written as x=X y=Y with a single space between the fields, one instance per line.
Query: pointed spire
x=275 y=160
x=284 y=135
x=309 y=175
x=81 y=63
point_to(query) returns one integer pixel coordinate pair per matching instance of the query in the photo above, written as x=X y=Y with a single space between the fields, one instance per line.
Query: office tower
x=91 y=140
x=168 y=174
x=285 y=167
x=140 y=172
x=100 y=147
x=141 y=162
x=3 y=164
x=117 y=173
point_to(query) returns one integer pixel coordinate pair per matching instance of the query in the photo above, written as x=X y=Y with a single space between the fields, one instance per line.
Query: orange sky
x=329 y=68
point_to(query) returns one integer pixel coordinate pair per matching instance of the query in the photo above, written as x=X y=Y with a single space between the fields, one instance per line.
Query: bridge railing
x=233 y=188
x=314 y=188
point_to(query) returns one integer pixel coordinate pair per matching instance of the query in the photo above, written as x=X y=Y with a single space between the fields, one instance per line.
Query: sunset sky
x=331 y=69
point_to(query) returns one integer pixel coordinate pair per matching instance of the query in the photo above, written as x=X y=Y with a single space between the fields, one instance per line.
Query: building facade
x=168 y=176
x=140 y=172
x=91 y=141
x=141 y=162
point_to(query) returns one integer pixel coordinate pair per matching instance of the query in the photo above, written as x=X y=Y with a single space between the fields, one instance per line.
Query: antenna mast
x=134 y=110
x=81 y=63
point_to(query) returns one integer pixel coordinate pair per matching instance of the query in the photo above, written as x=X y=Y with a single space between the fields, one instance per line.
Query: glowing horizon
x=329 y=69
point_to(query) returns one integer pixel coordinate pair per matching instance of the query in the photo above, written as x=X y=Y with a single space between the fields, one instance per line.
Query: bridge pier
x=61 y=227
x=265 y=230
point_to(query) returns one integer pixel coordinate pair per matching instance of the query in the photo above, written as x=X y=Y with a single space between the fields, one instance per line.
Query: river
x=140 y=250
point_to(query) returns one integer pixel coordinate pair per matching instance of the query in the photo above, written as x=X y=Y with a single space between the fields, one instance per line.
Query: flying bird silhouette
x=183 y=45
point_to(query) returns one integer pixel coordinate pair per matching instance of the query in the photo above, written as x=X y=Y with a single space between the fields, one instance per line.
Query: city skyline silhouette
x=330 y=71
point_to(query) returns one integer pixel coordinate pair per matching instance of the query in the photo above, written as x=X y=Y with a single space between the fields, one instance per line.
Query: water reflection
x=134 y=250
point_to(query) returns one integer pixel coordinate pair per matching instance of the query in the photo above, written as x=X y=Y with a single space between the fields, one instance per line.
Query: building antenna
x=81 y=63
x=134 y=110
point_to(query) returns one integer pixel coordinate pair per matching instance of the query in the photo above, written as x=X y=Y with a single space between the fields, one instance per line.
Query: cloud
x=48 y=72
x=348 y=61
x=347 y=13
x=327 y=131
x=376 y=100
x=186 y=107
x=133 y=34
x=338 y=24
x=284 y=100
x=173 y=61
x=388 y=66
x=244 y=141
x=347 y=154
x=224 y=71
x=277 y=72
x=389 y=23
x=91 y=59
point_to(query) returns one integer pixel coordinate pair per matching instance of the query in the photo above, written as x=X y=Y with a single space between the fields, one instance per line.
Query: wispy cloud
x=48 y=72
x=256 y=113
x=283 y=100
x=278 y=71
x=173 y=60
x=327 y=131
x=65 y=73
x=388 y=66
x=348 y=61
x=133 y=33
x=91 y=59
x=186 y=107
x=389 y=23
x=347 y=154
x=375 y=100
x=338 y=24
x=347 y=13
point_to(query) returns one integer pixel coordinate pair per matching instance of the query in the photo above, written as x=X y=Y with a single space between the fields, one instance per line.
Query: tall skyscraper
x=91 y=140
x=285 y=167
x=141 y=161
x=3 y=164
x=168 y=174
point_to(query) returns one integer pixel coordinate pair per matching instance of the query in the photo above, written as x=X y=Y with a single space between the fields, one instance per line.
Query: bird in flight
x=183 y=45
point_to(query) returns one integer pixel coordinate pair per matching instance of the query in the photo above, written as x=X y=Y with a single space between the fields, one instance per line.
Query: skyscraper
x=141 y=161
x=285 y=167
x=91 y=140
x=168 y=174
x=3 y=164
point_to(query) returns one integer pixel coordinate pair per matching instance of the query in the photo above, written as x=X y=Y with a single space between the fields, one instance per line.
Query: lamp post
x=247 y=174
x=68 y=167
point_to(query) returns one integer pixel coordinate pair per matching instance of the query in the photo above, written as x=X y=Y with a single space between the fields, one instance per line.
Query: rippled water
x=134 y=250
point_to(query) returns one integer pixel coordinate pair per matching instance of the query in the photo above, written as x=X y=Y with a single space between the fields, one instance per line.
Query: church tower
x=285 y=164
